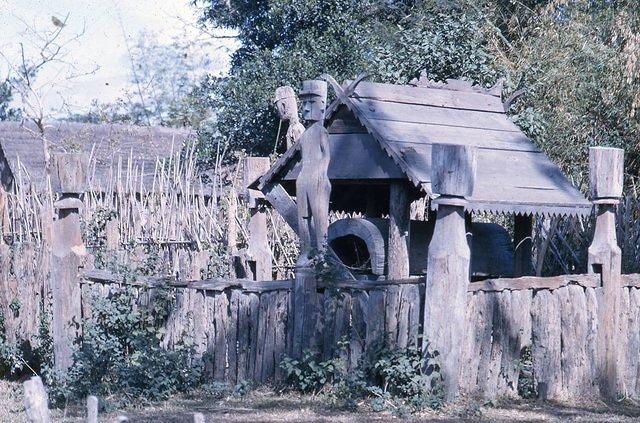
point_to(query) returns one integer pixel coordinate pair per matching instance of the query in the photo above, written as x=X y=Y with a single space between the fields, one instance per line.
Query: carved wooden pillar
x=605 y=184
x=399 y=221
x=258 y=251
x=522 y=241
x=448 y=265
x=69 y=179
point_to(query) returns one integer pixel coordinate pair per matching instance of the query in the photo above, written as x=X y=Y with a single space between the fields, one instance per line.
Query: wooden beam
x=605 y=259
x=399 y=227
x=280 y=199
x=522 y=242
x=534 y=283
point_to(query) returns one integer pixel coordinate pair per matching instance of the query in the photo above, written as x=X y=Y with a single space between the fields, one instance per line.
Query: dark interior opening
x=353 y=252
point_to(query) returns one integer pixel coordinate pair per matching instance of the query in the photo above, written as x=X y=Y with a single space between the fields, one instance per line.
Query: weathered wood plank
x=253 y=370
x=282 y=312
x=268 y=363
x=232 y=336
x=532 y=282
x=392 y=312
x=261 y=340
x=633 y=349
x=573 y=308
x=358 y=333
x=428 y=96
x=546 y=348
x=221 y=305
x=244 y=327
x=420 y=113
x=476 y=324
x=483 y=339
x=409 y=133
x=330 y=303
x=591 y=386
x=518 y=335
x=375 y=321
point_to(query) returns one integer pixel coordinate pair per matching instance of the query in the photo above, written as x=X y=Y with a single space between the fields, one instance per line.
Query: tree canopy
x=576 y=61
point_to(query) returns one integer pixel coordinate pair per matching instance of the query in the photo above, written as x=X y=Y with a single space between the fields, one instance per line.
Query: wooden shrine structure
x=381 y=139
x=452 y=143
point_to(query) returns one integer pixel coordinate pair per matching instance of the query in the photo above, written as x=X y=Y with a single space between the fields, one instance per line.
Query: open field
x=264 y=405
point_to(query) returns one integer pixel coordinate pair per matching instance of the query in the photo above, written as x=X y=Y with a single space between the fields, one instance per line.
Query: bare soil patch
x=265 y=405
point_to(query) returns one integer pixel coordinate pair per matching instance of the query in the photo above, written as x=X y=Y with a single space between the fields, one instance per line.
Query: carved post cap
x=254 y=168
x=453 y=169
x=69 y=173
x=606 y=173
x=314 y=87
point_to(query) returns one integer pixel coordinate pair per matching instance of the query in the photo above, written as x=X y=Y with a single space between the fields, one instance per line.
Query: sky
x=97 y=64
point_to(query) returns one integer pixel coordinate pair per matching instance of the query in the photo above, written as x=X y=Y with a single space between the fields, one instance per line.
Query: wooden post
x=399 y=221
x=36 y=401
x=198 y=418
x=605 y=258
x=92 y=409
x=522 y=241
x=258 y=243
x=448 y=264
x=68 y=255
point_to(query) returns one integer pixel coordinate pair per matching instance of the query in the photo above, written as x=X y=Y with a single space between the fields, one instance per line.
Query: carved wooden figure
x=312 y=185
x=312 y=194
x=605 y=258
x=448 y=268
x=287 y=106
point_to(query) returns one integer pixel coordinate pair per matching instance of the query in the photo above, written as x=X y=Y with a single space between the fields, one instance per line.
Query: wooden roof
x=106 y=145
x=386 y=131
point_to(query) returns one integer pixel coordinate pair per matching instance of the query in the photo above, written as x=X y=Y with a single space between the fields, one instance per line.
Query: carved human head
x=286 y=104
x=314 y=100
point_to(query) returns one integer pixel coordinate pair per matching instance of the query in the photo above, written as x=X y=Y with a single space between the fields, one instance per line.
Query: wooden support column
x=606 y=167
x=258 y=251
x=399 y=221
x=69 y=179
x=522 y=242
x=448 y=264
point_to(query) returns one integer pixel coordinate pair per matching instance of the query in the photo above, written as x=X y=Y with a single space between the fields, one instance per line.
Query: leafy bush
x=308 y=375
x=120 y=352
x=23 y=356
x=402 y=380
x=407 y=379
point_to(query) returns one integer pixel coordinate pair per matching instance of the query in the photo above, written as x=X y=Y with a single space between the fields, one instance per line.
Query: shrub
x=406 y=378
x=23 y=356
x=120 y=352
x=309 y=375
x=401 y=380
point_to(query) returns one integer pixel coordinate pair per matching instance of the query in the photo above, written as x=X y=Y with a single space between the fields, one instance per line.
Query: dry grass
x=263 y=405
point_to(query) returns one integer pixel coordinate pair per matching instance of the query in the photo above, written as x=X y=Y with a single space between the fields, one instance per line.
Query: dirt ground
x=263 y=405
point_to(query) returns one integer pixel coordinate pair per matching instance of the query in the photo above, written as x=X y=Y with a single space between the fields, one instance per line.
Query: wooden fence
x=242 y=328
x=582 y=331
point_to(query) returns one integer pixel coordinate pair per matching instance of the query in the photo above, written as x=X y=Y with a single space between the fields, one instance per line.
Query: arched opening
x=353 y=252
